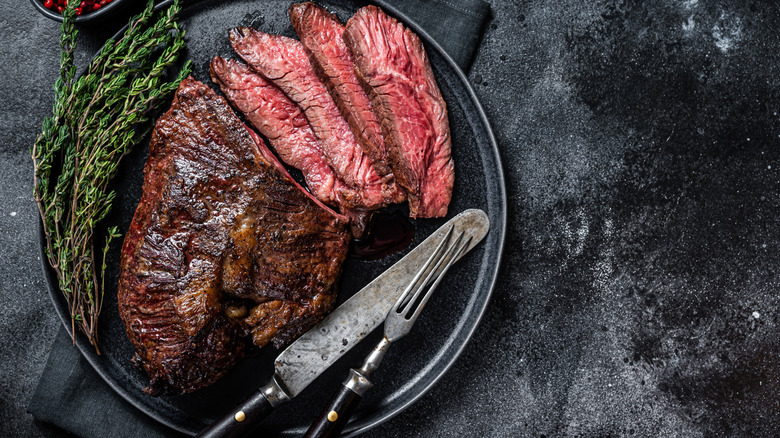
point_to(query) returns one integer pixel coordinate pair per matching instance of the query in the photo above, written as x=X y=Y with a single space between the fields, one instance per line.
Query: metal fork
x=398 y=323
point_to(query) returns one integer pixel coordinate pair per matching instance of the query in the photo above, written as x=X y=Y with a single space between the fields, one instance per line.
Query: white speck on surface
x=727 y=33
x=13 y=213
x=603 y=269
x=688 y=26
x=756 y=315
x=577 y=237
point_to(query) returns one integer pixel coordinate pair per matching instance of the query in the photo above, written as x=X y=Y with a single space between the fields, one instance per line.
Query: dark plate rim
x=88 y=351
x=501 y=228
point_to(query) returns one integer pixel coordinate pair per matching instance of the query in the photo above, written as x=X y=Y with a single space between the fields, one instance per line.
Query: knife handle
x=245 y=417
x=337 y=412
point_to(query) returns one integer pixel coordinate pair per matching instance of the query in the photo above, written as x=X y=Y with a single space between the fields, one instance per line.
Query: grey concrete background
x=638 y=294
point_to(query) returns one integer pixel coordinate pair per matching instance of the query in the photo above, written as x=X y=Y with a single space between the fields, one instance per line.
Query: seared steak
x=393 y=67
x=320 y=33
x=283 y=123
x=223 y=243
x=283 y=61
x=280 y=121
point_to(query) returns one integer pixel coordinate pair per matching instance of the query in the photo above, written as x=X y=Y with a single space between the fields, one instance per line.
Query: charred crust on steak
x=213 y=193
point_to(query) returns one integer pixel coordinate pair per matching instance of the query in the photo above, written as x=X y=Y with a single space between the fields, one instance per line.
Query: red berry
x=96 y=7
x=48 y=4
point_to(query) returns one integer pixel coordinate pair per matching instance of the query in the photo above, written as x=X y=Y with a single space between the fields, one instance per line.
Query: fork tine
x=444 y=270
x=402 y=301
x=449 y=257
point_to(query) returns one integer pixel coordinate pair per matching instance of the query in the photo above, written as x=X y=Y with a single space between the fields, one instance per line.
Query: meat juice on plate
x=388 y=233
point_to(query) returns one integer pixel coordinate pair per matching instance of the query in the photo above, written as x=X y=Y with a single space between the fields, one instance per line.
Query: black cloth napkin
x=455 y=24
x=71 y=395
x=74 y=397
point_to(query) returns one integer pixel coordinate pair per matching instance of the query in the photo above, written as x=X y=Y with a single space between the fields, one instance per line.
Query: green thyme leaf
x=96 y=120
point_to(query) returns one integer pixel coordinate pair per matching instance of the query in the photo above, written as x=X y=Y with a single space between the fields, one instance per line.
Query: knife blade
x=317 y=349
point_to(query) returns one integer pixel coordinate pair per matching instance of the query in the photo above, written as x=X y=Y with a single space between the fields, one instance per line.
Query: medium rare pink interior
x=320 y=33
x=392 y=64
x=283 y=61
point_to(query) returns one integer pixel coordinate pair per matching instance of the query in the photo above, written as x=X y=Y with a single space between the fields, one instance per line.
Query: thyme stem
x=96 y=119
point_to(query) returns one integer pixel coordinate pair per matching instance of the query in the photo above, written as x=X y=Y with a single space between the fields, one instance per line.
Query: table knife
x=317 y=349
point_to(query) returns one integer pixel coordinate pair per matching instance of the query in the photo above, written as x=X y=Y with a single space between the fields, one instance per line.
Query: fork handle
x=339 y=409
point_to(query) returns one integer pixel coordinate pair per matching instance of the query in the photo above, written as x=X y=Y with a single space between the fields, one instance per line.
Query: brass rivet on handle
x=240 y=416
x=333 y=416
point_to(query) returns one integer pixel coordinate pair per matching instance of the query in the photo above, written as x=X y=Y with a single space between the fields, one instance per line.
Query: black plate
x=411 y=367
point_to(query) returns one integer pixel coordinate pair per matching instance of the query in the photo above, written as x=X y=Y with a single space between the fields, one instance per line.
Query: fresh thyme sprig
x=96 y=119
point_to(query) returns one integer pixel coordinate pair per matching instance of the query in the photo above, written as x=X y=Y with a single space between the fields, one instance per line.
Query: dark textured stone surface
x=638 y=289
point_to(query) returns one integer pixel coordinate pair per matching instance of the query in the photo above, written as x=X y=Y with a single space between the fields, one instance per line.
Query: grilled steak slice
x=285 y=126
x=280 y=121
x=211 y=236
x=392 y=65
x=283 y=61
x=283 y=123
x=321 y=33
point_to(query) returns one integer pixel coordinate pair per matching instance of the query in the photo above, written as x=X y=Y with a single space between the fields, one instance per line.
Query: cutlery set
x=395 y=298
